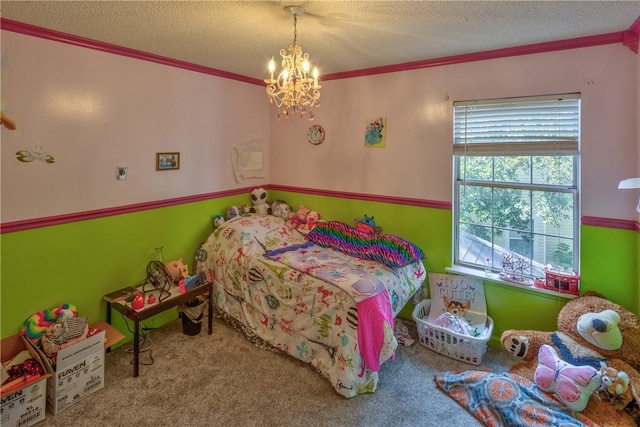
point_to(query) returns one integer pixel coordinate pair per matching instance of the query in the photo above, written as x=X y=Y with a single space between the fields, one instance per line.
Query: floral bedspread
x=332 y=267
x=308 y=318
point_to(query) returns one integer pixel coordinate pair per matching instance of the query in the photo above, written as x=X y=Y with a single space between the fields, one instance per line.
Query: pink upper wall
x=417 y=162
x=94 y=111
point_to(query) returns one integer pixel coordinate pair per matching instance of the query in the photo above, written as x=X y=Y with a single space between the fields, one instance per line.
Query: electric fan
x=160 y=278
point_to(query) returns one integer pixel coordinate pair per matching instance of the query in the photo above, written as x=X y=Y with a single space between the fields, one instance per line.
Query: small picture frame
x=376 y=132
x=167 y=161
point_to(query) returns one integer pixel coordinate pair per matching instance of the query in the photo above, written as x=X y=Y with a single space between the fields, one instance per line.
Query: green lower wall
x=79 y=262
x=610 y=263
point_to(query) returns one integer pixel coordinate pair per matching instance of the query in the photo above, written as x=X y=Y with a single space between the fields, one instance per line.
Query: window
x=516 y=195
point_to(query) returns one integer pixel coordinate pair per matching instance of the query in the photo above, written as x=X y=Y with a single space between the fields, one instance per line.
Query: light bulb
x=272 y=68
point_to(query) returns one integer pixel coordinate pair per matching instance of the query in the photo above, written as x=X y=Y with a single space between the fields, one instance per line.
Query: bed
x=294 y=293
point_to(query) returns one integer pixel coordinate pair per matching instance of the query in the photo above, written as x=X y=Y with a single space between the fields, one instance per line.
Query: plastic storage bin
x=460 y=347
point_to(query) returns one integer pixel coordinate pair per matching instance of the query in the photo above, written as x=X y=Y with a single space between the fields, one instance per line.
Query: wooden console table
x=117 y=301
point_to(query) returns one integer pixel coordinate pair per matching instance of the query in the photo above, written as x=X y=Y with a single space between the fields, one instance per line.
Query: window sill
x=494 y=277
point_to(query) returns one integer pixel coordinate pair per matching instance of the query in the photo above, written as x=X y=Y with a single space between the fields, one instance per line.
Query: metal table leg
x=210 y=309
x=109 y=320
x=136 y=346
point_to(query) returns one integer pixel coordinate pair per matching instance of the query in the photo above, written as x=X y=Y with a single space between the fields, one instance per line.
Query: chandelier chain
x=295 y=28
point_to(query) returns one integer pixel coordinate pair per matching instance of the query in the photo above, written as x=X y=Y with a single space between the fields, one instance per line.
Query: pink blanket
x=375 y=320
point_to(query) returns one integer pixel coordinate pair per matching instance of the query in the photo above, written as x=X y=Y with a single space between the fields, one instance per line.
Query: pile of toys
x=303 y=219
x=53 y=330
x=594 y=351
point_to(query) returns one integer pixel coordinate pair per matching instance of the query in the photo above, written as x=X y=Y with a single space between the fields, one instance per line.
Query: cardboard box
x=25 y=405
x=79 y=369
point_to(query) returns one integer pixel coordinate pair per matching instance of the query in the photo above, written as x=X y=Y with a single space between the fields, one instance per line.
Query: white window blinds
x=541 y=125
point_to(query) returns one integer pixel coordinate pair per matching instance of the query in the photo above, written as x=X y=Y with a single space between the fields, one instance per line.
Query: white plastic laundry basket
x=457 y=346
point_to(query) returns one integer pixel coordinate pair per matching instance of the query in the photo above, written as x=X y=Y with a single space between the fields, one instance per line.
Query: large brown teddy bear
x=591 y=331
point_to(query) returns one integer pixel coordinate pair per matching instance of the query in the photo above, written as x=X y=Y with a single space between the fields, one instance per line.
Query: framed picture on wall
x=167 y=161
x=376 y=132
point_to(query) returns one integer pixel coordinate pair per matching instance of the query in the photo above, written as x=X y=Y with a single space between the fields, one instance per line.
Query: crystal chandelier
x=295 y=91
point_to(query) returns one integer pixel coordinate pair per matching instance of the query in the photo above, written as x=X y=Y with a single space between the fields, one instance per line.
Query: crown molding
x=628 y=38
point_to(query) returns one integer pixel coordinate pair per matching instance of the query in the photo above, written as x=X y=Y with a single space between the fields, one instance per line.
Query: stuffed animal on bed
x=366 y=224
x=232 y=212
x=298 y=220
x=591 y=330
x=312 y=219
x=218 y=220
x=259 y=200
x=280 y=209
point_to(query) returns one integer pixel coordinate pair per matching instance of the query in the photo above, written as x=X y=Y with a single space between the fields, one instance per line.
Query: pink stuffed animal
x=302 y=217
x=302 y=214
x=312 y=219
x=293 y=222
x=298 y=220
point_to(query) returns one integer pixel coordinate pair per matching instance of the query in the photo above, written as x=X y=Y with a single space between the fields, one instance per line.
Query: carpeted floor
x=223 y=379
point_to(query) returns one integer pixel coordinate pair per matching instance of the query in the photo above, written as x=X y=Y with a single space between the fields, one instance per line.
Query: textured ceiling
x=241 y=36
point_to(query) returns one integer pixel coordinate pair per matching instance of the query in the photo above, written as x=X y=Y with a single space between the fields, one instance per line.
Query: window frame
x=540 y=148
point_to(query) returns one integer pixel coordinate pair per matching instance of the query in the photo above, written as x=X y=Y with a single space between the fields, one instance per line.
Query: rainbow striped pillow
x=387 y=249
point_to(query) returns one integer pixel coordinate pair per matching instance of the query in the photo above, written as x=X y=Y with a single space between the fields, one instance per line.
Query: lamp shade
x=629 y=183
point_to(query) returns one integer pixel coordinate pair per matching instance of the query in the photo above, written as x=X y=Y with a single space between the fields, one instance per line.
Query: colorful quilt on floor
x=506 y=400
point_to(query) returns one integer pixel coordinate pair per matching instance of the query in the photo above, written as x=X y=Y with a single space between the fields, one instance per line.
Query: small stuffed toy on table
x=177 y=269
